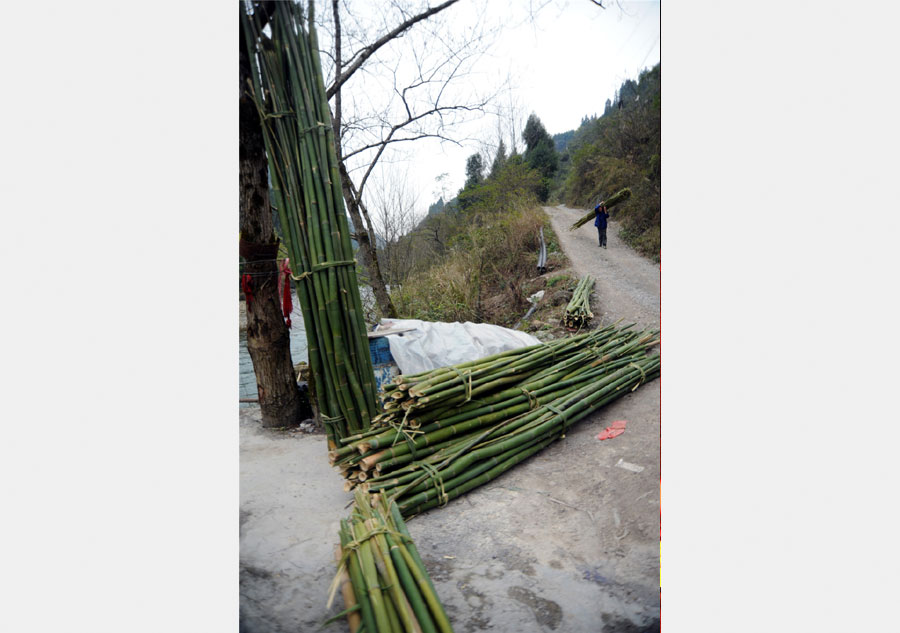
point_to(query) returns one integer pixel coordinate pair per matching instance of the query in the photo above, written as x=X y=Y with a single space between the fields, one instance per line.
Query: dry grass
x=485 y=277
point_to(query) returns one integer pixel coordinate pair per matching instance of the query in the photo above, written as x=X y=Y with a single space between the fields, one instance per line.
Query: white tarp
x=431 y=344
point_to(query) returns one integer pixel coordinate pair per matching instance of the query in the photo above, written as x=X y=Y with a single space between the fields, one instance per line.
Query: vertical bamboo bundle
x=578 y=312
x=382 y=577
x=289 y=92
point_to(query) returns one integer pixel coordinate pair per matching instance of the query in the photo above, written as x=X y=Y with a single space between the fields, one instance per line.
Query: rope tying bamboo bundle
x=489 y=414
x=382 y=578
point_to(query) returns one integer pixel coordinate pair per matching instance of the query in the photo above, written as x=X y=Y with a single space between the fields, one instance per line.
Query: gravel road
x=627 y=283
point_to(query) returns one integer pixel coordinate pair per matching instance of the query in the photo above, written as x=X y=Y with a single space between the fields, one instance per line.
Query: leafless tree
x=397 y=85
x=394 y=204
x=511 y=117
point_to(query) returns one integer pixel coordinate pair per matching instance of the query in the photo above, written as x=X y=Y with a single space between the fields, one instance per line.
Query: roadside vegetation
x=619 y=149
x=475 y=257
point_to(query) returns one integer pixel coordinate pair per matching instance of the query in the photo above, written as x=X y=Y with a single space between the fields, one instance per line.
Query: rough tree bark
x=268 y=339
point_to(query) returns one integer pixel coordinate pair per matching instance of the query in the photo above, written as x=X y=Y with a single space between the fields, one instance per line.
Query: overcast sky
x=563 y=65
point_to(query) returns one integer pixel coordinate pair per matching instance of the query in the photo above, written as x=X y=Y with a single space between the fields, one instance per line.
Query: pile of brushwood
x=578 y=312
x=289 y=93
x=452 y=429
x=382 y=578
x=609 y=203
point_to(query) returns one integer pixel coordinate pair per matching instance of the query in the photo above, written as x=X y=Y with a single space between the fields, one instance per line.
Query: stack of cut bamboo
x=289 y=93
x=609 y=203
x=451 y=429
x=578 y=312
x=382 y=578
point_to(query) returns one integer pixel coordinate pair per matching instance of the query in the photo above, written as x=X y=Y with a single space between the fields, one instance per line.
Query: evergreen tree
x=474 y=171
x=437 y=207
x=628 y=91
x=499 y=160
x=533 y=133
x=540 y=153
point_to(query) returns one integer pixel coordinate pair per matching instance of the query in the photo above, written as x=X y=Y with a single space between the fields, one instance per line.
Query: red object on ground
x=287 y=306
x=613 y=430
x=245 y=286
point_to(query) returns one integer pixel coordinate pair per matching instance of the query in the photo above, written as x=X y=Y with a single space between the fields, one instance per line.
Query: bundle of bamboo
x=609 y=203
x=382 y=578
x=289 y=93
x=472 y=408
x=578 y=312
x=427 y=398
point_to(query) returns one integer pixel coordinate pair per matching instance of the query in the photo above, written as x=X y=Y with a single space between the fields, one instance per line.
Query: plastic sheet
x=433 y=344
x=613 y=430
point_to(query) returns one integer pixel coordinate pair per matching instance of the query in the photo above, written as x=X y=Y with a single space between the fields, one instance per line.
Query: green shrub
x=483 y=277
x=621 y=149
x=552 y=281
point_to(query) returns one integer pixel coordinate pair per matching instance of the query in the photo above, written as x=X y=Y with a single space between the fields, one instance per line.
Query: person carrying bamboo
x=601 y=216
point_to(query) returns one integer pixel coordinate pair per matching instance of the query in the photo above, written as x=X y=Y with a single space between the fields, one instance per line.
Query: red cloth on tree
x=248 y=290
x=287 y=304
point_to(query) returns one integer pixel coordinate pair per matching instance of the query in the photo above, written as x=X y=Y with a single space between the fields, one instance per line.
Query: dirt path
x=627 y=283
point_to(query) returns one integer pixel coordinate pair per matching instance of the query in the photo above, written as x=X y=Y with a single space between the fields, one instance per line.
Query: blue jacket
x=600 y=219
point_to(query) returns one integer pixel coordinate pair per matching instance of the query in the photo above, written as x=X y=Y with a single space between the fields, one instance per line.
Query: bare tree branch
x=412 y=119
x=367 y=52
x=416 y=90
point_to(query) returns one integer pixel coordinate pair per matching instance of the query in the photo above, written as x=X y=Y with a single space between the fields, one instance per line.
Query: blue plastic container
x=386 y=369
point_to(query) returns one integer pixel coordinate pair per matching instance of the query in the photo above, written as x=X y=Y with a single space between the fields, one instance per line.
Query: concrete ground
x=567 y=541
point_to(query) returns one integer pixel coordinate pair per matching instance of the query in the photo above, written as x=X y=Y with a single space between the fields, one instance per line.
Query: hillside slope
x=620 y=149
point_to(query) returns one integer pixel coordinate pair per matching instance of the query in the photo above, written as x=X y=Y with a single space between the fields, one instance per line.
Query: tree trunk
x=268 y=339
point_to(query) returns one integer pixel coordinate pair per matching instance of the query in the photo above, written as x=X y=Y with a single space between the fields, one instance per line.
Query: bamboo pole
x=502 y=403
x=619 y=196
x=578 y=311
x=354 y=568
x=508 y=443
x=354 y=619
x=288 y=89
x=389 y=588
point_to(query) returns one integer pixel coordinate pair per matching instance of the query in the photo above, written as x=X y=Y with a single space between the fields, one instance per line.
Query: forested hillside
x=471 y=256
x=619 y=149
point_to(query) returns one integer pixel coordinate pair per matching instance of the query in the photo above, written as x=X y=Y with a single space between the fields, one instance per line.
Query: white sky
x=563 y=65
